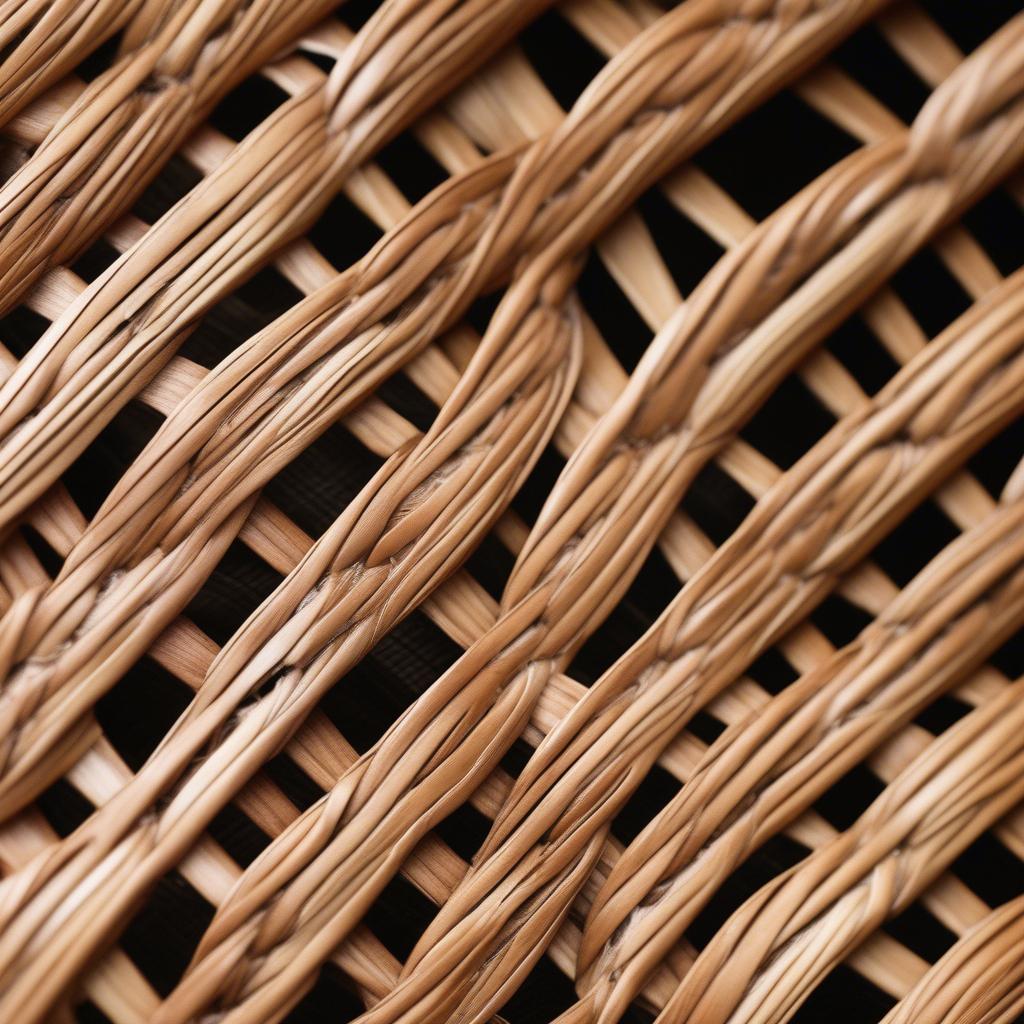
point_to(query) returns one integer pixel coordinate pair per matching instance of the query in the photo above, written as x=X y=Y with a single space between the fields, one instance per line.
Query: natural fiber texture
x=979 y=979
x=204 y=487
x=43 y=40
x=519 y=652
x=104 y=151
x=529 y=190
x=127 y=325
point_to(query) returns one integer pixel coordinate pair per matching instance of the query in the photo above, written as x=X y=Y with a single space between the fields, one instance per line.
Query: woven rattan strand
x=553 y=474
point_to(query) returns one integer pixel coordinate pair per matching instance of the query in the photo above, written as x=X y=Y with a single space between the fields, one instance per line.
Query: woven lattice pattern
x=511 y=511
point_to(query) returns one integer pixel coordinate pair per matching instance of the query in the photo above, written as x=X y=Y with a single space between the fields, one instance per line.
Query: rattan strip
x=768 y=957
x=43 y=40
x=434 y=366
x=564 y=800
x=327 y=887
x=980 y=980
x=129 y=322
x=971 y=271
x=116 y=136
x=320 y=810
x=275 y=815
x=306 y=762
x=762 y=772
x=186 y=495
x=875 y=125
x=491 y=809
x=173 y=396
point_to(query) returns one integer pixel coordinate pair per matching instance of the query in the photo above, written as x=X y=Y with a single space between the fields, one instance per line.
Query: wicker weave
x=103 y=103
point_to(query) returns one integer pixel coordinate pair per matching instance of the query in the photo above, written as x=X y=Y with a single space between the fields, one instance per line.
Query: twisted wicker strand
x=621 y=483
x=505 y=906
x=127 y=324
x=761 y=774
x=276 y=393
x=166 y=525
x=817 y=521
x=980 y=980
x=42 y=40
x=772 y=952
x=398 y=539
x=102 y=153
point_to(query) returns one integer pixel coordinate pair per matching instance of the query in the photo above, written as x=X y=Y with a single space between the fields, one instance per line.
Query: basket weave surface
x=414 y=609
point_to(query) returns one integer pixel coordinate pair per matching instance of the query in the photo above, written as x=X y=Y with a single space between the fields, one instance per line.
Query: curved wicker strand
x=168 y=522
x=102 y=153
x=768 y=957
x=505 y=904
x=761 y=774
x=980 y=980
x=410 y=526
x=300 y=893
x=276 y=393
x=790 y=552
x=42 y=40
x=126 y=325
x=580 y=868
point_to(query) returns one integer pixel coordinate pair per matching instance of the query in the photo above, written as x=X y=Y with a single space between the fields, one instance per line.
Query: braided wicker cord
x=117 y=135
x=331 y=844
x=799 y=925
x=460 y=605
x=692 y=652
x=940 y=627
x=320 y=344
x=129 y=322
x=103 y=835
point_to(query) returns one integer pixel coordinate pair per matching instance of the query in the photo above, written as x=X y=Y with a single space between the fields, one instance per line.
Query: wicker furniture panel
x=412 y=454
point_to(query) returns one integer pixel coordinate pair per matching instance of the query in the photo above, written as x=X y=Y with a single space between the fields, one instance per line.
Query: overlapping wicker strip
x=979 y=979
x=43 y=40
x=129 y=322
x=550 y=877
x=207 y=485
x=115 y=137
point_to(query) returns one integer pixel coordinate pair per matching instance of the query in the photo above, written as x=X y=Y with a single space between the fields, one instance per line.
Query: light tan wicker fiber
x=673 y=637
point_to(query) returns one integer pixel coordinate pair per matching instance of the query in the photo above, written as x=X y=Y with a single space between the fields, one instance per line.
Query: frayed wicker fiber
x=460 y=562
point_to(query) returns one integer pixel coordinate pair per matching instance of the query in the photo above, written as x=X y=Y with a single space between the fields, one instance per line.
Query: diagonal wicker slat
x=498 y=495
